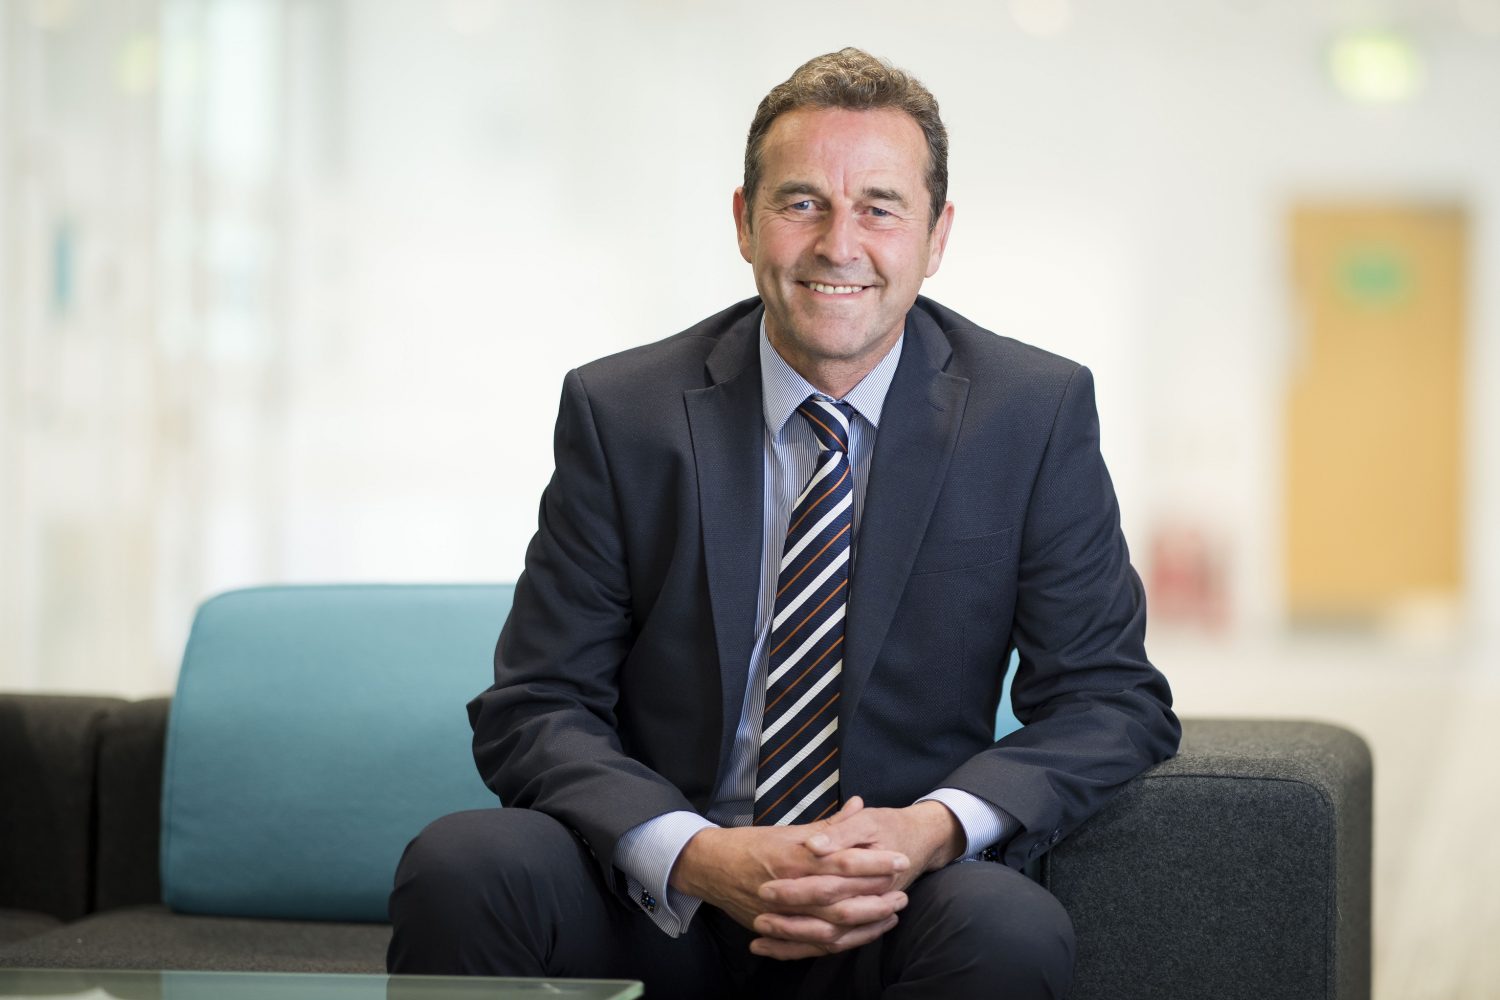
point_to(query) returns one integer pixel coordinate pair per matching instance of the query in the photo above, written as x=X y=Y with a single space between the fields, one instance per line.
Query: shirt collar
x=783 y=390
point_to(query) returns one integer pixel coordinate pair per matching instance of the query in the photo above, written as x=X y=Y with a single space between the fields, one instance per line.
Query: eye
x=802 y=206
x=880 y=213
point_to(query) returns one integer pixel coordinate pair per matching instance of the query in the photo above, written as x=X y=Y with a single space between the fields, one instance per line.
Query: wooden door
x=1374 y=412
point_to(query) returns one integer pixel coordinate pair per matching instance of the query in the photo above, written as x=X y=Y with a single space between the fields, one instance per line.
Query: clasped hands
x=818 y=888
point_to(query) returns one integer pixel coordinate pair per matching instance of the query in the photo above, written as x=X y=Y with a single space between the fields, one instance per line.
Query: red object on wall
x=1187 y=581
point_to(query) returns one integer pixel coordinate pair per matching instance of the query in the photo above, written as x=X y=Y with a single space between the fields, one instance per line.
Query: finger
x=851 y=806
x=862 y=862
x=831 y=923
x=859 y=911
x=799 y=927
x=795 y=927
x=846 y=829
x=847 y=911
x=784 y=949
x=789 y=894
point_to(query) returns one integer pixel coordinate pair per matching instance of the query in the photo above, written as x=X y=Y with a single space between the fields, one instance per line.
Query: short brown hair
x=852 y=78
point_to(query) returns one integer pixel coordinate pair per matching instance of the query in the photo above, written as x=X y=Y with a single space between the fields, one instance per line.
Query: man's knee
x=484 y=853
x=476 y=892
x=1019 y=917
x=998 y=923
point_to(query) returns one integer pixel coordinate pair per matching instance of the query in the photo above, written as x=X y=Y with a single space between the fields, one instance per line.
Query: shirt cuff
x=985 y=824
x=646 y=854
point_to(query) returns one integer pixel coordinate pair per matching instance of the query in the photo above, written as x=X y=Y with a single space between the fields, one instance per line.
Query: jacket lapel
x=726 y=421
x=918 y=429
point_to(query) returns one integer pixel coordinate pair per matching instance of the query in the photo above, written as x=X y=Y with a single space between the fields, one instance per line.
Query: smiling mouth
x=819 y=286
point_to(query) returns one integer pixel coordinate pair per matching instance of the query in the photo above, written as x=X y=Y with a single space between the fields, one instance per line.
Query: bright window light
x=1375 y=66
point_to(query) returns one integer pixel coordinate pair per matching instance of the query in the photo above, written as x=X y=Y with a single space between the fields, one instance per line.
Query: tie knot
x=829 y=421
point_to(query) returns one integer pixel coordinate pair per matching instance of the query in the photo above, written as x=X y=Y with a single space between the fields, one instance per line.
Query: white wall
x=481 y=195
x=554 y=185
x=8 y=525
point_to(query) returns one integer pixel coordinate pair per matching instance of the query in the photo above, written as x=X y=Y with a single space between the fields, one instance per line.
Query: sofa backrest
x=127 y=821
x=314 y=732
x=49 y=747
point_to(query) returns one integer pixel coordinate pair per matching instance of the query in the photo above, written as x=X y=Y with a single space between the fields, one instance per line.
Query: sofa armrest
x=48 y=765
x=1240 y=868
x=132 y=743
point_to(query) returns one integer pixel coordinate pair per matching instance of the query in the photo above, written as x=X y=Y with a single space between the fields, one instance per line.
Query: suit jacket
x=989 y=524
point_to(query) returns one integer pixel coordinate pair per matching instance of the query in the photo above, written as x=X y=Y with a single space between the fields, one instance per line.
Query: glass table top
x=92 y=984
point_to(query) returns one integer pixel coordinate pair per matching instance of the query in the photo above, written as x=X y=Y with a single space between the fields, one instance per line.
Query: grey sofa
x=1240 y=868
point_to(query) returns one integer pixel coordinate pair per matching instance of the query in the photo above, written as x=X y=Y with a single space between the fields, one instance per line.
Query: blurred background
x=288 y=287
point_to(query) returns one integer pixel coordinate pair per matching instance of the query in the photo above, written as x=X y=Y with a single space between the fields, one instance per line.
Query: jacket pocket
x=943 y=555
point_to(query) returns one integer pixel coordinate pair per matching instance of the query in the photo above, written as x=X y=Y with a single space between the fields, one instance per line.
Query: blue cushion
x=314 y=732
x=1005 y=719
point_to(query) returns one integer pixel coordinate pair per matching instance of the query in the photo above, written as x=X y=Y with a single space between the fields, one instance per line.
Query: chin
x=835 y=347
x=835 y=333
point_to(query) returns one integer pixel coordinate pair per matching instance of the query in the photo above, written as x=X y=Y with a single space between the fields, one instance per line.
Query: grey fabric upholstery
x=18 y=924
x=48 y=748
x=132 y=741
x=1241 y=868
x=152 y=937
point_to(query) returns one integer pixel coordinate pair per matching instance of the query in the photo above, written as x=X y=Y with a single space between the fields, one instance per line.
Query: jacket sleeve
x=1096 y=713
x=545 y=733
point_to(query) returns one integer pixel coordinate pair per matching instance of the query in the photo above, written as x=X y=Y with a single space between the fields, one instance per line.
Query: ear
x=742 y=225
x=937 y=242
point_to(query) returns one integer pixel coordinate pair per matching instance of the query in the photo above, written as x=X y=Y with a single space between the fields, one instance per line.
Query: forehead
x=838 y=145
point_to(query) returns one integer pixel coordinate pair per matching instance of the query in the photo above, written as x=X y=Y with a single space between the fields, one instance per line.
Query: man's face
x=839 y=237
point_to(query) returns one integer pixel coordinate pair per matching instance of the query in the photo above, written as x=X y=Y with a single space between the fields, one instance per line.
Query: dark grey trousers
x=510 y=892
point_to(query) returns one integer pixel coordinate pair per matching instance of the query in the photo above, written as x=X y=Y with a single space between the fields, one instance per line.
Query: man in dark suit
x=743 y=707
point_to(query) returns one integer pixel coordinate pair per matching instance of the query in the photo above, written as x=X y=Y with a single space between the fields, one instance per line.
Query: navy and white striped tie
x=798 y=777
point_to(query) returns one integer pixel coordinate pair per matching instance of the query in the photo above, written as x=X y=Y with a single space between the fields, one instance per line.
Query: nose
x=838 y=243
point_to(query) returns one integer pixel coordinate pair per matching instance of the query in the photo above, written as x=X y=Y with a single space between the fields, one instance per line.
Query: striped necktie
x=798 y=777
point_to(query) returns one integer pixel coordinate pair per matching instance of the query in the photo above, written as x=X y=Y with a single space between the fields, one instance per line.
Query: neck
x=834 y=377
x=830 y=378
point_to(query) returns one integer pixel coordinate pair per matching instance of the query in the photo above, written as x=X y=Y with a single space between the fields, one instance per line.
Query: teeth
x=834 y=289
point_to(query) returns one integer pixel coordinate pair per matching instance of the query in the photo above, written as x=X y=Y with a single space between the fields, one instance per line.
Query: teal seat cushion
x=1005 y=719
x=314 y=732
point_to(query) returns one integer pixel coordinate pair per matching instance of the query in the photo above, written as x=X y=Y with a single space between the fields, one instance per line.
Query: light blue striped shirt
x=647 y=853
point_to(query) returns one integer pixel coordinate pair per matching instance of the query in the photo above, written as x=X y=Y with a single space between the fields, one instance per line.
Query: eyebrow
x=796 y=187
x=868 y=194
x=884 y=194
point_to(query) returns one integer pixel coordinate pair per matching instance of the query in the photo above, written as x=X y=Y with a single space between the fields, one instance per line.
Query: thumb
x=853 y=805
x=820 y=842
